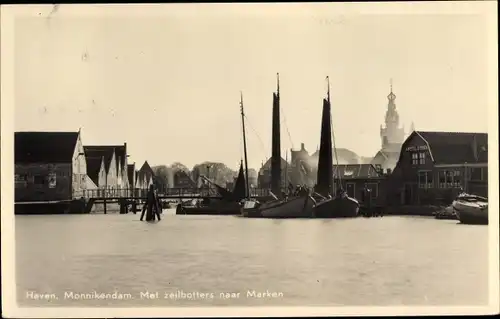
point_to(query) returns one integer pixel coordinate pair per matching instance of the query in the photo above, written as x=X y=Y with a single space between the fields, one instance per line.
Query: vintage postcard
x=271 y=159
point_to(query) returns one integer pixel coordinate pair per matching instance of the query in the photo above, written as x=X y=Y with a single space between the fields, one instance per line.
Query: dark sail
x=239 y=191
x=325 y=161
x=276 y=147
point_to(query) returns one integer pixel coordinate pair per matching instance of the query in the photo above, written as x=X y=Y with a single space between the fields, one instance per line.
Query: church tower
x=392 y=135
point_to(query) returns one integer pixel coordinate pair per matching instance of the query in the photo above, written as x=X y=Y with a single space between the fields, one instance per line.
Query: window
x=418 y=158
x=457 y=179
x=450 y=179
x=442 y=179
x=421 y=158
x=414 y=158
x=21 y=178
x=430 y=180
x=425 y=179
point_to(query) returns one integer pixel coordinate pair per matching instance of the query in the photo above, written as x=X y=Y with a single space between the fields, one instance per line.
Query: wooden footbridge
x=136 y=196
x=165 y=193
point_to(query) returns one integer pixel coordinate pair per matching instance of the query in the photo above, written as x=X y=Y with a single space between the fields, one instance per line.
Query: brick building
x=49 y=166
x=434 y=166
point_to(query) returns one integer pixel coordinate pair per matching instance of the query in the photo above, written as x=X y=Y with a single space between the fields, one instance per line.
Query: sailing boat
x=340 y=205
x=299 y=206
x=228 y=204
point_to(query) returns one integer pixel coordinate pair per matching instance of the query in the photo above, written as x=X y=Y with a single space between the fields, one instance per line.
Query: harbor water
x=116 y=260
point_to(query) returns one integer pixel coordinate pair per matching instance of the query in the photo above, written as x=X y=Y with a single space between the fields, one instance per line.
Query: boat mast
x=247 y=192
x=276 y=142
x=336 y=175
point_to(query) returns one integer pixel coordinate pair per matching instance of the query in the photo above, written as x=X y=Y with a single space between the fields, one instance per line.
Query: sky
x=167 y=79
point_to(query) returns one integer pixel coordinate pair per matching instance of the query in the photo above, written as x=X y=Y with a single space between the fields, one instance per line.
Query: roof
x=44 y=147
x=455 y=147
x=99 y=152
x=351 y=171
x=131 y=174
x=120 y=153
x=93 y=168
x=342 y=153
x=267 y=165
x=146 y=172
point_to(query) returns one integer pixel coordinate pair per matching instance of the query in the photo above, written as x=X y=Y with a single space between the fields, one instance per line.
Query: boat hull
x=229 y=208
x=298 y=207
x=337 y=208
x=475 y=213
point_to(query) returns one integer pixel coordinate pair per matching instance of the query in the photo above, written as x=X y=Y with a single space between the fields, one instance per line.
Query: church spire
x=391 y=97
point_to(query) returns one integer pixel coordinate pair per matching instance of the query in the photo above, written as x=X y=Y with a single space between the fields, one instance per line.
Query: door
x=351 y=190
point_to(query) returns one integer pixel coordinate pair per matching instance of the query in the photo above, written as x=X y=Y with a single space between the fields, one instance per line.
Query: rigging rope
x=335 y=149
x=286 y=126
x=258 y=137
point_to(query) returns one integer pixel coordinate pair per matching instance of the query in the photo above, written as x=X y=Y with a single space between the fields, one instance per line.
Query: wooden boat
x=228 y=204
x=299 y=206
x=295 y=207
x=471 y=209
x=340 y=206
x=212 y=207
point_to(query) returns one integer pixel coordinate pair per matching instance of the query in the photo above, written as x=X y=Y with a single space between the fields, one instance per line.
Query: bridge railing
x=172 y=192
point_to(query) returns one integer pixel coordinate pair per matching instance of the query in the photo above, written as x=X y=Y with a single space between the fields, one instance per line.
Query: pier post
x=105 y=205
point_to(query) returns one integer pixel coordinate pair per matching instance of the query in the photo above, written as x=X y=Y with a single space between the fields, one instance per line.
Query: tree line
x=217 y=172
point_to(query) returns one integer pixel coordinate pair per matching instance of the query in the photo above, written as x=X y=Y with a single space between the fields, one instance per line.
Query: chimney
x=302 y=147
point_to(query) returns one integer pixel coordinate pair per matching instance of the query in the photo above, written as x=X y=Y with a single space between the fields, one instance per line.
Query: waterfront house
x=122 y=168
x=355 y=177
x=96 y=174
x=434 y=166
x=264 y=175
x=108 y=154
x=145 y=176
x=49 y=166
x=131 y=175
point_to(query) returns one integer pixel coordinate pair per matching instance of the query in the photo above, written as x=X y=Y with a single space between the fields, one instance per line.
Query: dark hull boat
x=338 y=207
x=341 y=206
x=299 y=206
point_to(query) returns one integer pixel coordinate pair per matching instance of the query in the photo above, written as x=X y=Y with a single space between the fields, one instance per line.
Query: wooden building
x=434 y=166
x=355 y=177
x=96 y=172
x=49 y=166
x=122 y=167
x=108 y=155
x=145 y=176
x=131 y=175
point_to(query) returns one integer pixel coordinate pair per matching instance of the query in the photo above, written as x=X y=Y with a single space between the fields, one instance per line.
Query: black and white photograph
x=249 y=159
